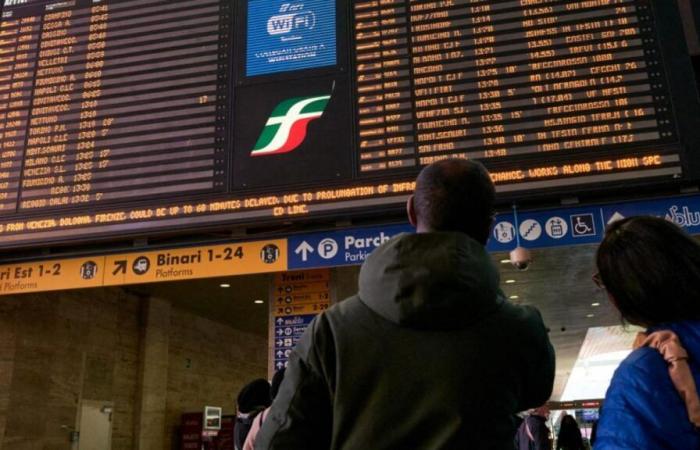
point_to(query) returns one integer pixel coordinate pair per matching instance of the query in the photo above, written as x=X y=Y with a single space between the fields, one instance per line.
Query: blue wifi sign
x=290 y=35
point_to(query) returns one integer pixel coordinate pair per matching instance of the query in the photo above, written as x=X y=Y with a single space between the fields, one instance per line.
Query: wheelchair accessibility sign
x=583 y=225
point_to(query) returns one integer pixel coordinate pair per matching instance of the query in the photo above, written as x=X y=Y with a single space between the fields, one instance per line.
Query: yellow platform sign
x=200 y=262
x=303 y=276
x=145 y=267
x=53 y=275
x=300 y=299
x=301 y=293
x=301 y=288
x=290 y=310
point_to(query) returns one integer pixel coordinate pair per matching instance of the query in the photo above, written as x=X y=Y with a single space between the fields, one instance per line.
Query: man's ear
x=411 y=211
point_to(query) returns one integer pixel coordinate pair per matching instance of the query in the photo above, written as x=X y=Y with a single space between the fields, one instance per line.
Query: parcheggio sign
x=350 y=247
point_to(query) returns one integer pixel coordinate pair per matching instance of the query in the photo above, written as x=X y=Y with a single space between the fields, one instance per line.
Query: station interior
x=134 y=366
x=151 y=353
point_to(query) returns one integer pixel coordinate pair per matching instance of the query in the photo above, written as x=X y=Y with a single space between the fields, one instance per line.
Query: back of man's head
x=455 y=195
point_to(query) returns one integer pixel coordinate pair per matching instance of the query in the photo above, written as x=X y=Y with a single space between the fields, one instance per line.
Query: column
x=153 y=374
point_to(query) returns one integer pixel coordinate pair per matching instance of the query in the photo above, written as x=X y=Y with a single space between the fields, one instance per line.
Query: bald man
x=429 y=354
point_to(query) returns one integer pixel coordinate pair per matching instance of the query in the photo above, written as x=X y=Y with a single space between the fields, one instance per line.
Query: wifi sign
x=288 y=35
x=286 y=23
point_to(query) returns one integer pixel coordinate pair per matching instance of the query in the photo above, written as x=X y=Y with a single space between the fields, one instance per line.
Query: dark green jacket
x=429 y=355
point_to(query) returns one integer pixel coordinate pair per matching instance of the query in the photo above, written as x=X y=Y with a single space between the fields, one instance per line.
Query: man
x=533 y=433
x=429 y=354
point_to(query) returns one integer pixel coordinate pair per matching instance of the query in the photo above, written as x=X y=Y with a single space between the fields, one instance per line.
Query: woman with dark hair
x=252 y=400
x=277 y=379
x=569 y=437
x=650 y=270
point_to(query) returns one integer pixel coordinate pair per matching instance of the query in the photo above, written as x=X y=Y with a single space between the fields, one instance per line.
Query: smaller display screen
x=589 y=415
x=290 y=35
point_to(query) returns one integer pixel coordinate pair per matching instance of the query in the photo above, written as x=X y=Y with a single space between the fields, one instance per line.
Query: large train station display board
x=134 y=117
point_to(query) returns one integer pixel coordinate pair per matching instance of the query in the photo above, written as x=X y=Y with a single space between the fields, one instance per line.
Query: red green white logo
x=286 y=128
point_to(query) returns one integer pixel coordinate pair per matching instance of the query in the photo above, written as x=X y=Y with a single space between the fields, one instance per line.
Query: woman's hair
x=651 y=268
x=569 y=434
x=254 y=395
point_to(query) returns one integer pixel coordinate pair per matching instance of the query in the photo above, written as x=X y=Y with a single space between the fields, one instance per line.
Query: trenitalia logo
x=286 y=128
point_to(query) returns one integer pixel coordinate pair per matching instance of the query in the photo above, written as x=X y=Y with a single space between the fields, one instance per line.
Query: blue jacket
x=642 y=408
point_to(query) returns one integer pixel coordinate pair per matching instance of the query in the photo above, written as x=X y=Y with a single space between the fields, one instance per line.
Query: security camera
x=521 y=258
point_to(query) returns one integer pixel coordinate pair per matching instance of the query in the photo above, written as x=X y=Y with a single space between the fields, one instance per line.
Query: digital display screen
x=111 y=101
x=288 y=35
x=497 y=81
x=123 y=118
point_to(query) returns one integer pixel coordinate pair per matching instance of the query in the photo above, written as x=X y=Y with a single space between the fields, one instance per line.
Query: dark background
x=326 y=153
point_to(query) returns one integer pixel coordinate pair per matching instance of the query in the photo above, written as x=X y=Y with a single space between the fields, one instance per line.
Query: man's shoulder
x=344 y=310
x=519 y=315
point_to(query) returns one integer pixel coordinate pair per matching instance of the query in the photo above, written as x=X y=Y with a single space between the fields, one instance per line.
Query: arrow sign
x=280 y=332
x=120 y=266
x=615 y=218
x=280 y=354
x=280 y=343
x=304 y=249
x=280 y=321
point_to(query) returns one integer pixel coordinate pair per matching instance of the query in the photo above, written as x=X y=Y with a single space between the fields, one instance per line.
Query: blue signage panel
x=533 y=229
x=553 y=228
x=288 y=331
x=286 y=35
x=683 y=211
x=339 y=248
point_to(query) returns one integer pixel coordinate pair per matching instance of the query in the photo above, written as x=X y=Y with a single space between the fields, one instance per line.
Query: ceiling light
x=505 y=261
x=514 y=297
x=225 y=285
x=590 y=316
x=510 y=281
x=259 y=302
x=595 y=305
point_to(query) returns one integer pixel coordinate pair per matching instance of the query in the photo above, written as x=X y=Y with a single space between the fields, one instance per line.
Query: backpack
x=243 y=426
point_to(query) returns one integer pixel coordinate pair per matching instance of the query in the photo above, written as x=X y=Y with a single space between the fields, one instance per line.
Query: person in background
x=569 y=437
x=594 y=432
x=252 y=400
x=257 y=423
x=650 y=270
x=533 y=433
x=424 y=356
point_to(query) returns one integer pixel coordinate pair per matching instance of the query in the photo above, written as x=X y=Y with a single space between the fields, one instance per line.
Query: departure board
x=105 y=101
x=132 y=118
x=502 y=81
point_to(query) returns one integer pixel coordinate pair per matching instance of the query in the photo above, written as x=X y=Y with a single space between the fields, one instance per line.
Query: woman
x=651 y=271
x=252 y=400
x=569 y=437
x=277 y=379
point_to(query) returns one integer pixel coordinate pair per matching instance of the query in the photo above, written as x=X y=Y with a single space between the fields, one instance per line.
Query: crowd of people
x=430 y=355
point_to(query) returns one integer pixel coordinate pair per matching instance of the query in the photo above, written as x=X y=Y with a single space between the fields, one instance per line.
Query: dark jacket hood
x=431 y=281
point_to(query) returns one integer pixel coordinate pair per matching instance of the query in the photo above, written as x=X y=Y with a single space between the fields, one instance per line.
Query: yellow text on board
x=200 y=262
